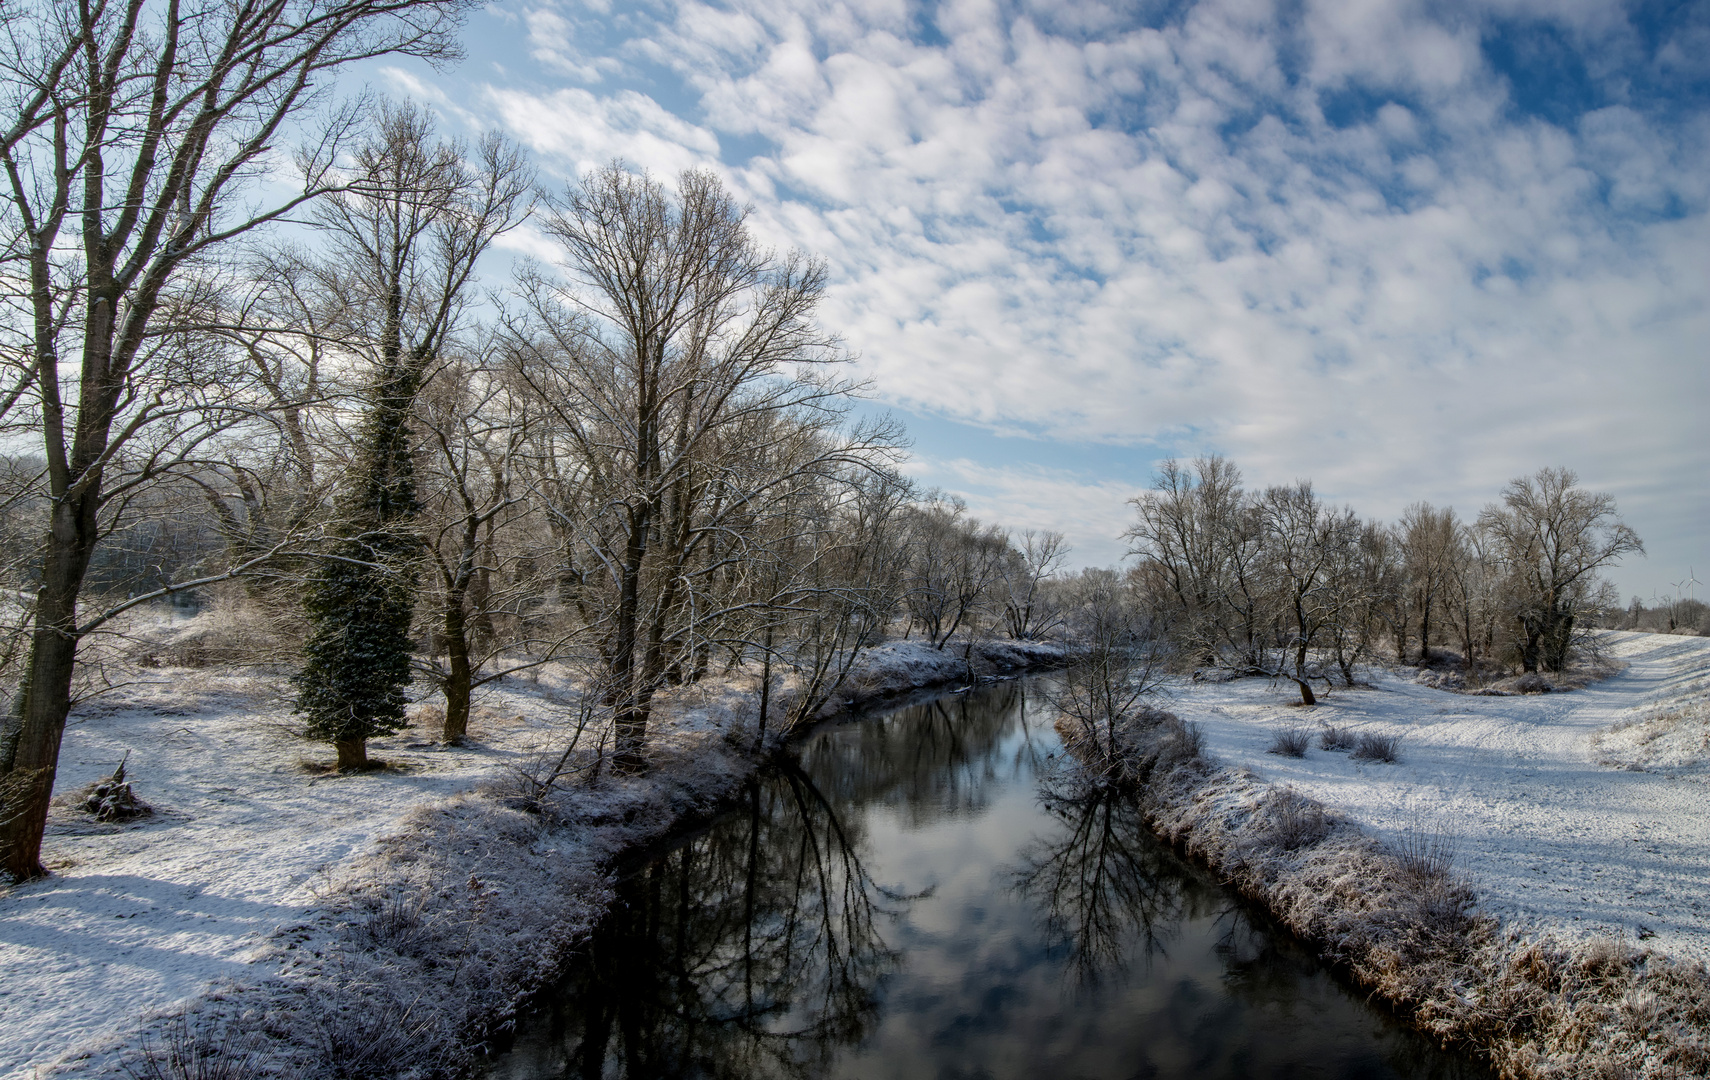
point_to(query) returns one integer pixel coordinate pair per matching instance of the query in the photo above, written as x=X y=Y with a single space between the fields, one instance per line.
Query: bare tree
x=1475 y=594
x=133 y=128
x=1428 y=538
x=1307 y=543
x=484 y=561
x=683 y=386
x=1116 y=668
x=955 y=563
x=1028 y=610
x=1554 y=537
x=1198 y=539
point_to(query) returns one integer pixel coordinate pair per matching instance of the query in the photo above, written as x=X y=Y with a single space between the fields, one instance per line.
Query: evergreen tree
x=361 y=599
x=399 y=254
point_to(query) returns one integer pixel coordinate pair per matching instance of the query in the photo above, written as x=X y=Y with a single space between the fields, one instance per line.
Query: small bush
x=192 y=1052
x=1295 y=820
x=1336 y=738
x=1372 y=747
x=393 y=921
x=370 y=1039
x=1426 y=855
x=1291 y=743
x=1533 y=683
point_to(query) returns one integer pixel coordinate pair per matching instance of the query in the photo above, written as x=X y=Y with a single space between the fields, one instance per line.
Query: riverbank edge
x=1405 y=927
x=423 y=953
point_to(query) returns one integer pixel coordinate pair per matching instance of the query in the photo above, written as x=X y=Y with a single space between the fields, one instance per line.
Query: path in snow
x=1548 y=836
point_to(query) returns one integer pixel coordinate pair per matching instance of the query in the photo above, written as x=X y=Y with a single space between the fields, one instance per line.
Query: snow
x=1580 y=813
x=138 y=917
x=254 y=849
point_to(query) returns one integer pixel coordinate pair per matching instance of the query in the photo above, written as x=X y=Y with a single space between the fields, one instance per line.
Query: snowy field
x=137 y=917
x=1583 y=813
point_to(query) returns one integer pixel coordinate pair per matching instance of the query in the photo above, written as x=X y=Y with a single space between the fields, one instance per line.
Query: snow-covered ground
x=139 y=916
x=1582 y=813
x=251 y=835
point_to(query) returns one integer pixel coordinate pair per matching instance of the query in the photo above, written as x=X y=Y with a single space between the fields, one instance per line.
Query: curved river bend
x=914 y=897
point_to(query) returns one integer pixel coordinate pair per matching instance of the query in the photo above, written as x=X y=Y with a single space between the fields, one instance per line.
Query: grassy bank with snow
x=1386 y=868
x=371 y=925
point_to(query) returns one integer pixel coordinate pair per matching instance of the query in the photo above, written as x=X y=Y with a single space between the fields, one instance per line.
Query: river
x=926 y=893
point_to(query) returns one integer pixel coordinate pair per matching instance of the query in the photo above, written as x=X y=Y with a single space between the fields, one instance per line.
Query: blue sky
x=1408 y=250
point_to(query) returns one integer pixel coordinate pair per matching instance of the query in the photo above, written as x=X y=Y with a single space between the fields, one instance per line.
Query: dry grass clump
x=1404 y=924
x=1336 y=738
x=1371 y=746
x=1295 y=821
x=1291 y=742
x=196 y=1051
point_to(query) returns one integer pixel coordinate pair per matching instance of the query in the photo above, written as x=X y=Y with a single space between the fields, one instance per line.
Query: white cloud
x=1154 y=236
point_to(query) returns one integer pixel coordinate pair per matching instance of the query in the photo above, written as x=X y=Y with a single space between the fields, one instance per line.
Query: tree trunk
x=460 y=679
x=1306 y=695
x=26 y=785
x=352 y=755
x=1557 y=641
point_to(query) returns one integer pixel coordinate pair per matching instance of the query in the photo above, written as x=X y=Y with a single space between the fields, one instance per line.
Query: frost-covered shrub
x=1336 y=738
x=1294 y=821
x=1373 y=747
x=196 y=1051
x=1291 y=742
x=1533 y=683
x=366 y=1036
x=393 y=921
x=1426 y=855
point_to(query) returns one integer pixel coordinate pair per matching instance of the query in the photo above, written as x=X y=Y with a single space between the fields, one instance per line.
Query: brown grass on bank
x=1404 y=925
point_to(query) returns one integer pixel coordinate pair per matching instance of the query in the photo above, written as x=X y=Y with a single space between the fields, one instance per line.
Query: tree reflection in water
x=930 y=761
x=749 y=951
x=1107 y=891
x=754 y=948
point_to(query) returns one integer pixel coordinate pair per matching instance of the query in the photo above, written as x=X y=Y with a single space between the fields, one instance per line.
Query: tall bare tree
x=1306 y=544
x=134 y=127
x=683 y=385
x=1554 y=536
x=1429 y=540
x=1028 y=610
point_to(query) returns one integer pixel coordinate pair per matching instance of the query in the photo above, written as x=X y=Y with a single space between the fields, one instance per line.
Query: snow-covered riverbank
x=255 y=862
x=1565 y=813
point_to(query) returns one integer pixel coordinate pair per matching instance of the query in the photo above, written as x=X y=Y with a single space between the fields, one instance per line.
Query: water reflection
x=749 y=951
x=1107 y=891
x=945 y=758
x=923 y=896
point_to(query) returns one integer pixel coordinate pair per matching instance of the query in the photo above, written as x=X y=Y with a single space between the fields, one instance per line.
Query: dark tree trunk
x=459 y=680
x=352 y=754
x=630 y=721
x=26 y=783
x=1556 y=642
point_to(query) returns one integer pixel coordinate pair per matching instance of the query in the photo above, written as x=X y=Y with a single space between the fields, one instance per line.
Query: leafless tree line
x=1279 y=582
x=227 y=362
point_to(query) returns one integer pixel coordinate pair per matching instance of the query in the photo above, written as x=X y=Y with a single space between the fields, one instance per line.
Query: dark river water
x=916 y=896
